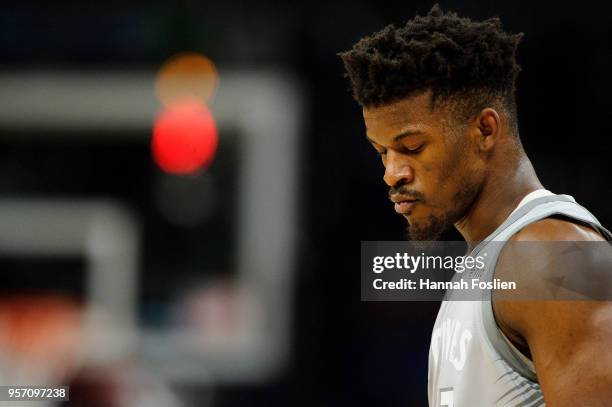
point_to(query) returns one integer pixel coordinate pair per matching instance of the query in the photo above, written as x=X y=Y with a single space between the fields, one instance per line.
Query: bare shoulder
x=543 y=259
x=556 y=229
x=552 y=261
x=569 y=340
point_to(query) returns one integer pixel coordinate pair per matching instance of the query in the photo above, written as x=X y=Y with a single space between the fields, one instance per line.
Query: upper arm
x=570 y=341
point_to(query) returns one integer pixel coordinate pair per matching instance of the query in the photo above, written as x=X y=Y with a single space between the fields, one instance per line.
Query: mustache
x=405 y=191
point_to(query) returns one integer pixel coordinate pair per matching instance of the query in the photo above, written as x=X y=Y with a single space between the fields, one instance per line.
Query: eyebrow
x=400 y=136
x=406 y=133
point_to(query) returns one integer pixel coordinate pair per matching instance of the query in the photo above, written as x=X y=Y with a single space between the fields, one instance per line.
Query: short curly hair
x=441 y=52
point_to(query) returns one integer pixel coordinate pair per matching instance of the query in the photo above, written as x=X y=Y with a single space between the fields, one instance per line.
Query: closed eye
x=413 y=150
x=402 y=149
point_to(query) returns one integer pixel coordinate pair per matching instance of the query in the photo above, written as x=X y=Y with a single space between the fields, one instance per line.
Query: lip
x=404 y=207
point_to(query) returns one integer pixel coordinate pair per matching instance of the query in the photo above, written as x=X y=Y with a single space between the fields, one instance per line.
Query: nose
x=397 y=170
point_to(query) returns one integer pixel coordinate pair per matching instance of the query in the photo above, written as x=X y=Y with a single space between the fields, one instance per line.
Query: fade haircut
x=467 y=64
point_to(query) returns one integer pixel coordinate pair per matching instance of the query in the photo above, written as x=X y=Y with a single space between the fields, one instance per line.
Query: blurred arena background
x=231 y=277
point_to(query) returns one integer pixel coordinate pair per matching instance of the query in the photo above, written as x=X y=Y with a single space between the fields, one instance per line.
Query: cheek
x=460 y=159
x=440 y=169
x=444 y=175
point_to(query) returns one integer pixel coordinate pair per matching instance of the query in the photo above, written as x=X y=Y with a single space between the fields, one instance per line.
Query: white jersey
x=471 y=362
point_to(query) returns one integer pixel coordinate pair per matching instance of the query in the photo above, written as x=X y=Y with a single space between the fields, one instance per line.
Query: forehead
x=412 y=113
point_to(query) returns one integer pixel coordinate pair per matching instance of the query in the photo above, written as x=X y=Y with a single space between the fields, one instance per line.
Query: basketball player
x=438 y=99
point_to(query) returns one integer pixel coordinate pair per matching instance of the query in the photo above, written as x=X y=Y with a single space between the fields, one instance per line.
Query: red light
x=184 y=138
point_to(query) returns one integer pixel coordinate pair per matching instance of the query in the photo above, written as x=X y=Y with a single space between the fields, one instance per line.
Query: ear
x=488 y=126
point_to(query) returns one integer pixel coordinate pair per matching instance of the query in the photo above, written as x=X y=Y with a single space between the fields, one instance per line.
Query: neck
x=499 y=196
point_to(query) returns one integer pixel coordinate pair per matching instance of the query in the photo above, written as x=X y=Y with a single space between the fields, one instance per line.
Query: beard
x=429 y=230
x=432 y=227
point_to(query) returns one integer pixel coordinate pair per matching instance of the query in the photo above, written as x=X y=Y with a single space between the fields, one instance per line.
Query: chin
x=424 y=229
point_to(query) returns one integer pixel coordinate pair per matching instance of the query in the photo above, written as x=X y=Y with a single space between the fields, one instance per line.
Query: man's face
x=431 y=161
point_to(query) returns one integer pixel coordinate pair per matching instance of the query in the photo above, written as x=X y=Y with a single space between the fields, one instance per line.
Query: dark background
x=345 y=352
